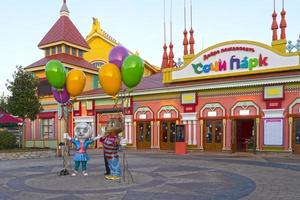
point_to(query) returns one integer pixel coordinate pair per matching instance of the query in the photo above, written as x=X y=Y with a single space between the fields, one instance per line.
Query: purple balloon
x=60 y=96
x=117 y=55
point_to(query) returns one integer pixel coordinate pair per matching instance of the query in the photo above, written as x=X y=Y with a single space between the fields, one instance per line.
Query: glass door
x=167 y=135
x=144 y=135
x=213 y=135
x=296 y=136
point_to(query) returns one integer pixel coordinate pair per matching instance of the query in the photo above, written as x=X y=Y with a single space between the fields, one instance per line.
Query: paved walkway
x=158 y=175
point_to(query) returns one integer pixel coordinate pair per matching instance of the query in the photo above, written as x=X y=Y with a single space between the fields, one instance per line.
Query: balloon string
x=62 y=108
x=127 y=175
x=115 y=108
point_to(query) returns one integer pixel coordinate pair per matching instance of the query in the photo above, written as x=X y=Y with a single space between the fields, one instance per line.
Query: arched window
x=98 y=63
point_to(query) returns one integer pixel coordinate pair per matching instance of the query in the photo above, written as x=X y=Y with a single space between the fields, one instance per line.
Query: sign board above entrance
x=233 y=59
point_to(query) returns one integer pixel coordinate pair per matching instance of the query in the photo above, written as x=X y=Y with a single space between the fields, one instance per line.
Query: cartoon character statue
x=83 y=138
x=111 y=141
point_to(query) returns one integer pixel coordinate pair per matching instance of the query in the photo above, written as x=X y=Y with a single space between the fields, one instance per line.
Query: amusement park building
x=233 y=96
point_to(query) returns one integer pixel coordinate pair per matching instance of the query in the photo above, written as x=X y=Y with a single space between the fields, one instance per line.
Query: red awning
x=6 y=118
x=47 y=115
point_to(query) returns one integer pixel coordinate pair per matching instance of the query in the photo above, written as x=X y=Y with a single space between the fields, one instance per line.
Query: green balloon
x=132 y=70
x=56 y=74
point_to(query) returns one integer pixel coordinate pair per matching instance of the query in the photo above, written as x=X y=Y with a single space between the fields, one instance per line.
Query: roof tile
x=150 y=82
x=64 y=30
x=64 y=58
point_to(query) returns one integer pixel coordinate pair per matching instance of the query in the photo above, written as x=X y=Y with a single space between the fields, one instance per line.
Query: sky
x=138 y=25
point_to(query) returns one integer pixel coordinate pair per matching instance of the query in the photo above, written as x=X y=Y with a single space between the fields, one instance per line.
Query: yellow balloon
x=75 y=82
x=110 y=79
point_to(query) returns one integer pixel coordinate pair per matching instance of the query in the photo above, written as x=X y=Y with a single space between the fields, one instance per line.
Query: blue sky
x=137 y=24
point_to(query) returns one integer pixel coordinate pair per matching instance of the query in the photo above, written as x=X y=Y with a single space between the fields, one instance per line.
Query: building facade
x=64 y=42
x=234 y=96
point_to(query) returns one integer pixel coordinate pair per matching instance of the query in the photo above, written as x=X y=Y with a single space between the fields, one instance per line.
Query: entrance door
x=245 y=134
x=167 y=135
x=296 y=136
x=213 y=132
x=143 y=139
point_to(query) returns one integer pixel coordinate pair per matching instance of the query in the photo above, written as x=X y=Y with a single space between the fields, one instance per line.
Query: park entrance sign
x=235 y=58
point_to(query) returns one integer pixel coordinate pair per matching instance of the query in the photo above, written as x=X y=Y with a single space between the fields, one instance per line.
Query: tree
x=3 y=103
x=23 y=101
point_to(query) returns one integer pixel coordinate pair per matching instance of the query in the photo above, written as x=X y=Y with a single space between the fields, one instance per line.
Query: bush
x=7 y=140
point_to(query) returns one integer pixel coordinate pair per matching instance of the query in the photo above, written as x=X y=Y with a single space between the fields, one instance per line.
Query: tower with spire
x=65 y=35
x=171 y=54
x=188 y=55
x=279 y=44
x=185 y=40
x=192 y=40
x=274 y=26
x=165 y=58
x=63 y=42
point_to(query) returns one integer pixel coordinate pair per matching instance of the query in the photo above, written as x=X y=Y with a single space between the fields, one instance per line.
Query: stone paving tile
x=158 y=176
x=111 y=196
x=30 y=195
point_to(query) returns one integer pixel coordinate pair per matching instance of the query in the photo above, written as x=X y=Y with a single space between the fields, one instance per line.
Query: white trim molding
x=188 y=116
x=273 y=113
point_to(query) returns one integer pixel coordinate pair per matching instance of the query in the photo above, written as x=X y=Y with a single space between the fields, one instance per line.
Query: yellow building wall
x=89 y=82
x=40 y=74
x=46 y=99
x=88 y=85
x=99 y=50
x=147 y=72
x=101 y=45
x=49 y=107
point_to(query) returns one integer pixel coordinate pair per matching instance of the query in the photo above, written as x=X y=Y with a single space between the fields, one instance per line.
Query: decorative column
x=130 y=132
x=126 y=130
x=39 y=130
x=194 y=132
x=229 y=136
x=224 y=135
x=152 y=135
x=290 y=133
x=33 y=132
x=93 y=128
x=185 y=131
x=158 y=134
x=257 y=134
x=201 y=134
x=189 y=132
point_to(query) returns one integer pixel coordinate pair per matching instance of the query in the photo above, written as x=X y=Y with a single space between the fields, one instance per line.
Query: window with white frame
x=47 y=129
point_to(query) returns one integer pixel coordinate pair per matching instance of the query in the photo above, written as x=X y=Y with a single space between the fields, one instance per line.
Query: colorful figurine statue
x=83 y=138
x=110 y=141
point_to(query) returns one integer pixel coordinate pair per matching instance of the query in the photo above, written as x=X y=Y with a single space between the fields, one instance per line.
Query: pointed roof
x=64 y=58
x=64 y=31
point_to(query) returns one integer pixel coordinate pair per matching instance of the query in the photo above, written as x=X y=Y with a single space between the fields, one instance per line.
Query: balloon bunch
x=64 y=86
x=121 y=67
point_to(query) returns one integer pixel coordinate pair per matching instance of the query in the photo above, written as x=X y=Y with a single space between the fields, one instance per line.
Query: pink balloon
x=60 y=96
x=117 y=55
